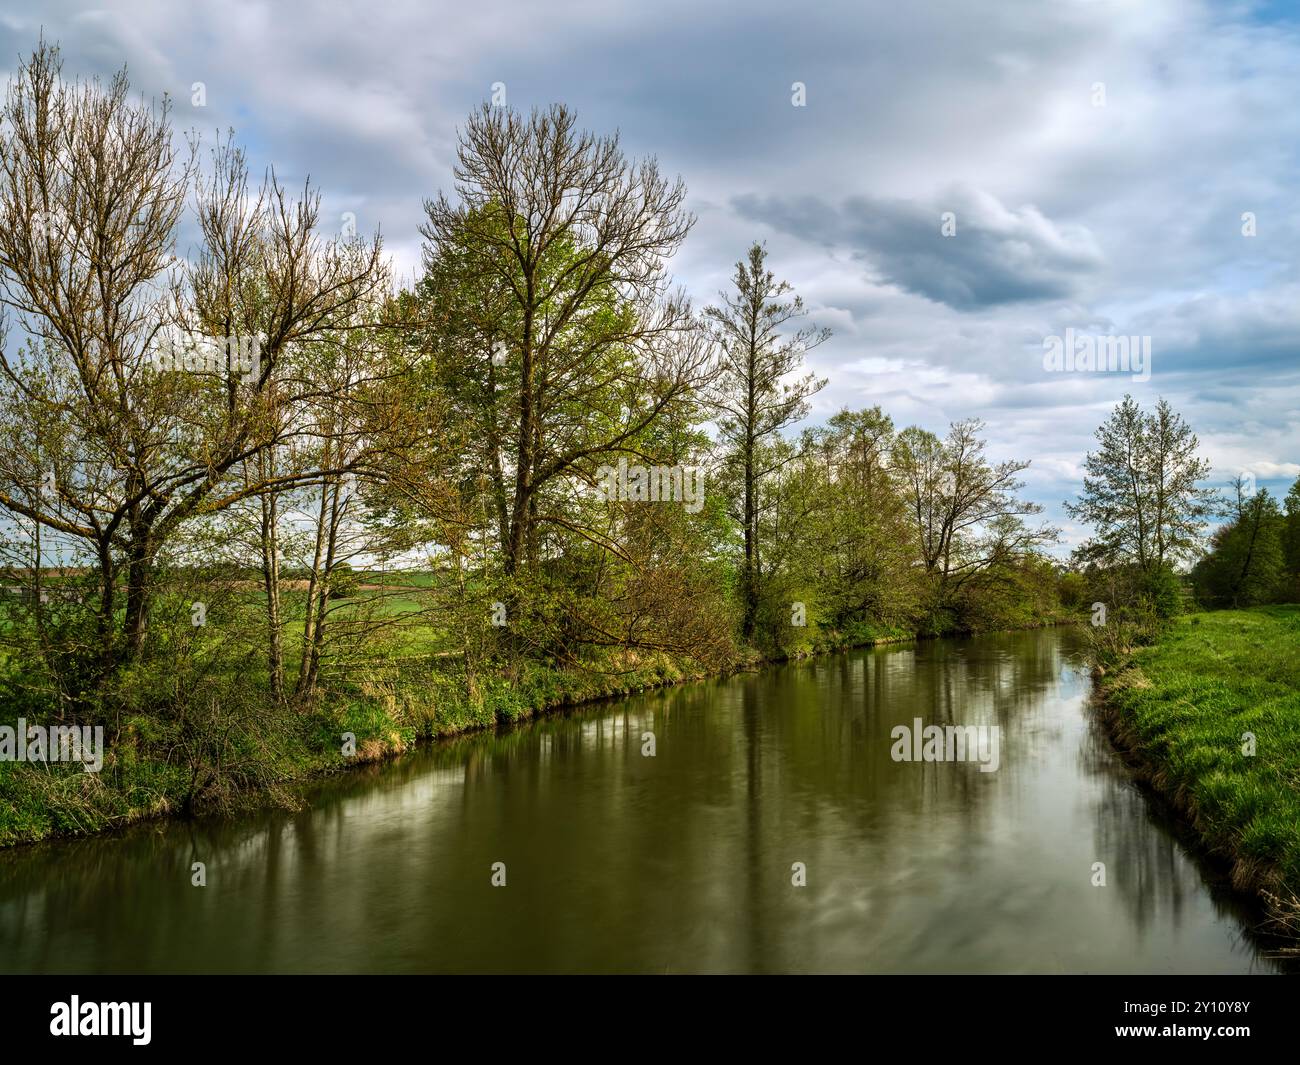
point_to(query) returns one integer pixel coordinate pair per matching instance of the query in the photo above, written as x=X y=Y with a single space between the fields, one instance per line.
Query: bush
x=1073 y=590
x=1163 y=590
x=344 y=582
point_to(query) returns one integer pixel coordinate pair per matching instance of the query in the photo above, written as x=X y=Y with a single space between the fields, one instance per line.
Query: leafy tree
x=858 y=548
x=1291 y=535
x=553 y=347
x=557 y=247
x=1246 y=564
x=1141 y=491
x=756 y=399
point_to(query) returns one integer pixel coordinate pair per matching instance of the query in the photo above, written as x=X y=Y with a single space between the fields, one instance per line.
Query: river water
x=615 y=860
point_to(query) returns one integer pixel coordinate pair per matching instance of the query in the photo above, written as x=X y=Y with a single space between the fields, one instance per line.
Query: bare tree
x=91 y=189
x=101 y=445
x=965 y=510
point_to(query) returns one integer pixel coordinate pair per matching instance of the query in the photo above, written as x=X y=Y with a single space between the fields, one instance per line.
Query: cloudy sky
x=1098 y=158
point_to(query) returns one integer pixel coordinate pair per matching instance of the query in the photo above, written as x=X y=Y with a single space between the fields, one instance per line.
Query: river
x=771 y=830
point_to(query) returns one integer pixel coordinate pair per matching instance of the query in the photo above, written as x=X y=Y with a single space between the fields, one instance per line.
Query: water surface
x=680 y=862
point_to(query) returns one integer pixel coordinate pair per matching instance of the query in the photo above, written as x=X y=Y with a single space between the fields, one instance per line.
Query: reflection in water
x=683 y=861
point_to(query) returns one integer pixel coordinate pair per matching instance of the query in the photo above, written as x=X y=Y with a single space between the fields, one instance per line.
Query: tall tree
x=759 y=352
x=552 y=271
x=1141 y=490
x=91 y=190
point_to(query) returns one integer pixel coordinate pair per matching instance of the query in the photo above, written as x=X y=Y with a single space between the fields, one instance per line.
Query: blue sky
x=1123 y=217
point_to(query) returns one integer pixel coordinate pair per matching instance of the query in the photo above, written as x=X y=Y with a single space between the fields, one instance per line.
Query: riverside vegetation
x=1211 y=715
x=268 y=514
x=1206 y=705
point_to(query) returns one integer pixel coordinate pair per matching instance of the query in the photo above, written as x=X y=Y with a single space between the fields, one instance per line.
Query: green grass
x=1187 y=703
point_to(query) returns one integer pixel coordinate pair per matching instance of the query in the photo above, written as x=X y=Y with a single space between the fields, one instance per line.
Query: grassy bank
x=388 y=711
x=1186 y=709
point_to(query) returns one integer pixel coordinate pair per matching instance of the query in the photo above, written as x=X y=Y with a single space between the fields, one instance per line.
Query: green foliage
x=1072 y=588
x=1291 y=533
x=344 y=582
x=1246 y=565
x=1162 y=588
x=871 y=530
x=1141 y=490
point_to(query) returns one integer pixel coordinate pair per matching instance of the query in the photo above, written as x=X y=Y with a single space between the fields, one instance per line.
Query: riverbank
x=1209 y=716
x=361 y=719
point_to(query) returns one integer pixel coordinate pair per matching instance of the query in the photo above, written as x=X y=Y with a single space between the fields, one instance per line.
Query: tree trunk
x=313 y=590
x=139 y=570
x=749 y=579
x=322 y=599
x=271 y=583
